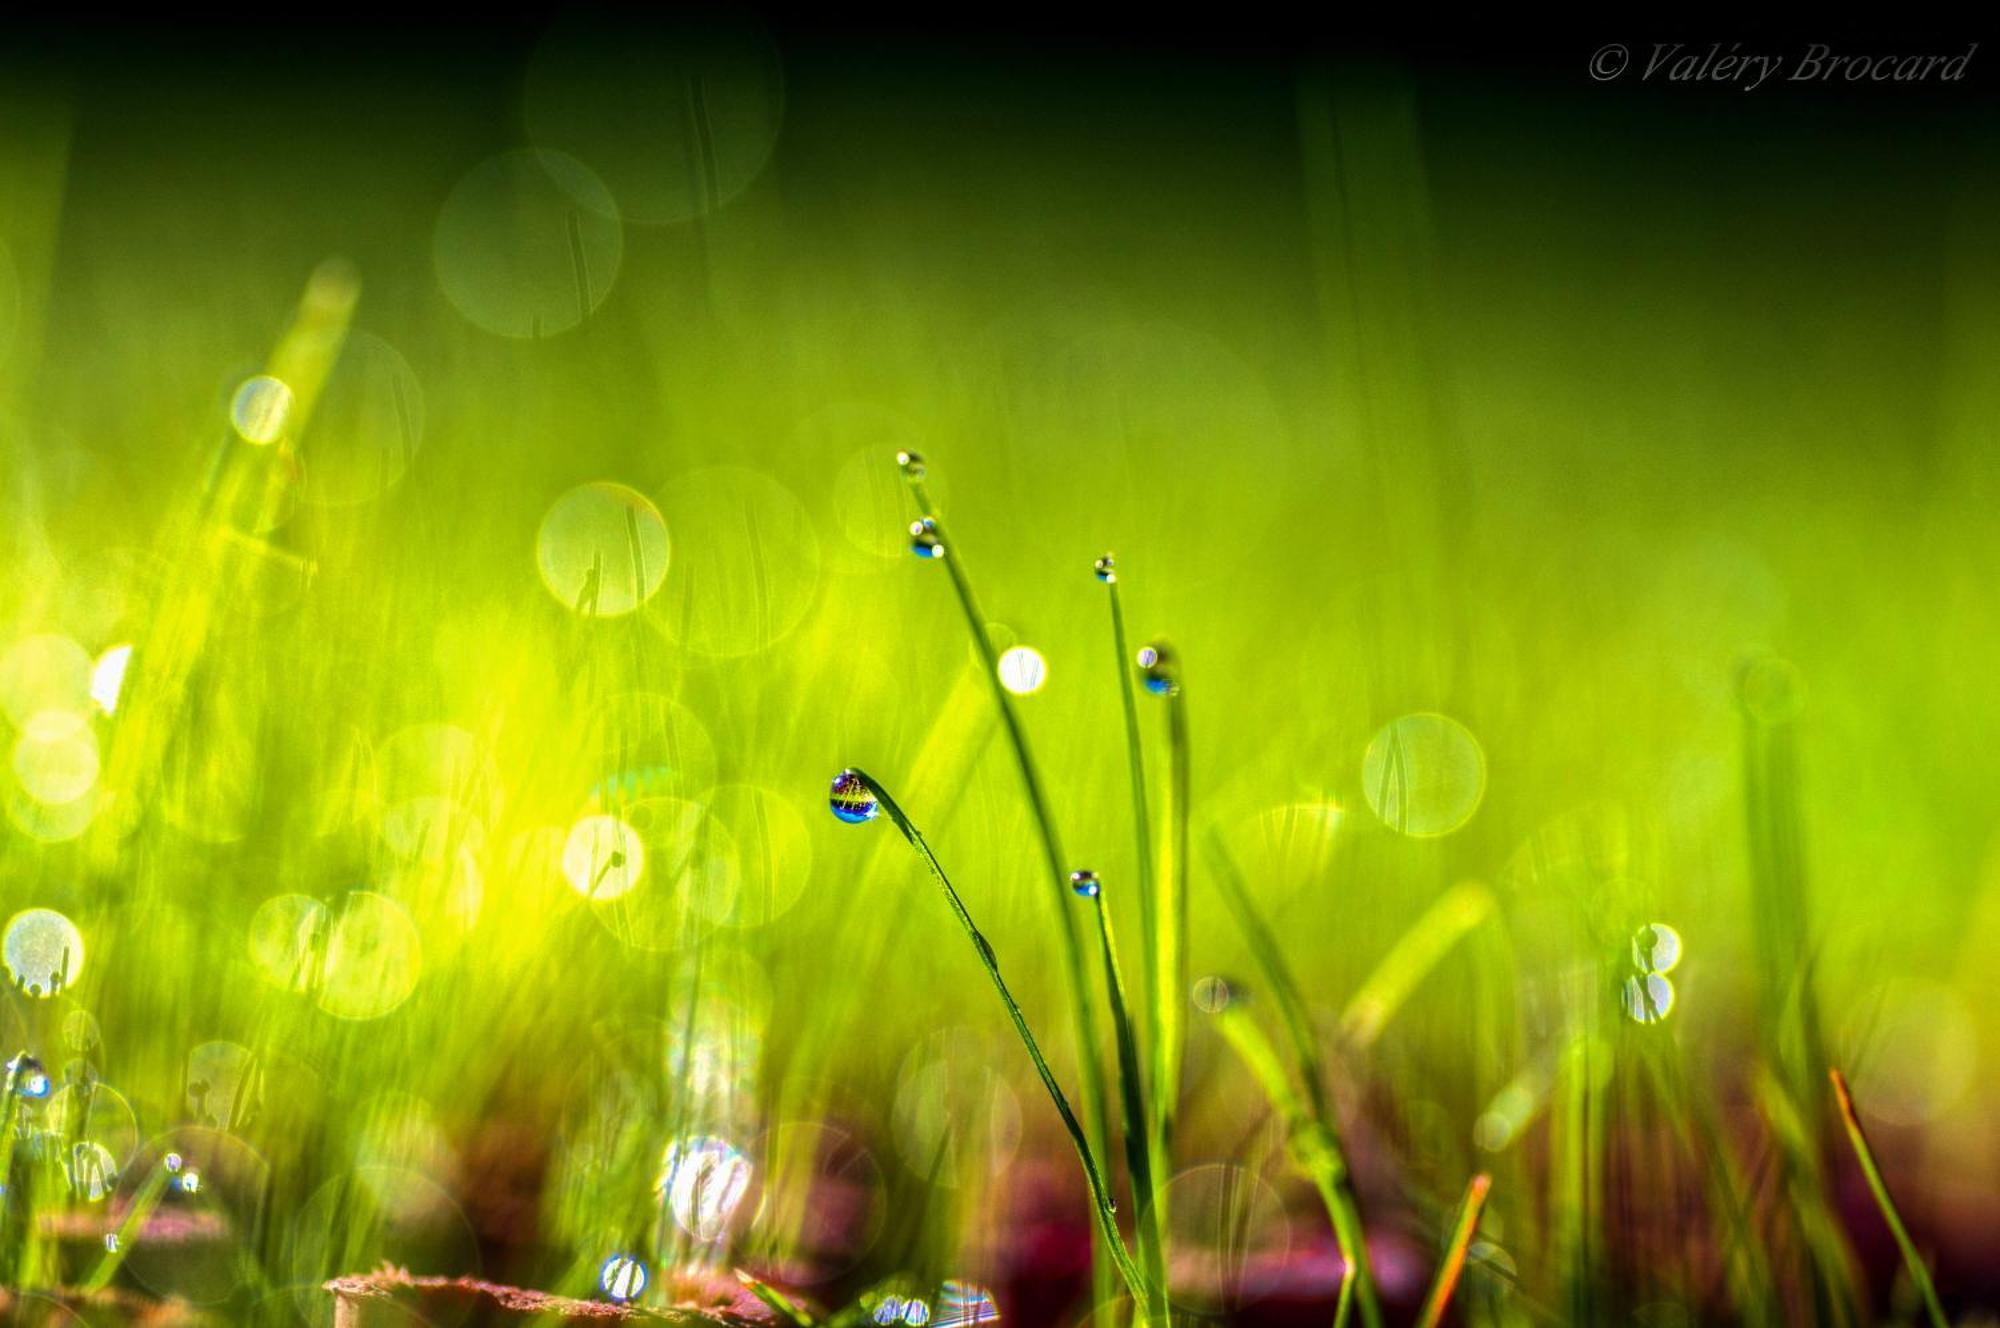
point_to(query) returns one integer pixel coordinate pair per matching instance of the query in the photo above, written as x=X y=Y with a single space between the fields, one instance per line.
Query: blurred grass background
x=1395 y=387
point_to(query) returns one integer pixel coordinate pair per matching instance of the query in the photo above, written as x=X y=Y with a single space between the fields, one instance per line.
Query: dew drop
x=28 y=1078
x=924 y=541
x=1105 y=569
x=703 y=1181
x=1213 y=995
x=852 y=800
x=1647 y=999
x=1085 y=883
x=1656 y=948
x=622 y=1278
x=911 y=464
x=1023 y=670
x=1423 y=775
x=43 y=951
x=261 y=409
x=1159 y=669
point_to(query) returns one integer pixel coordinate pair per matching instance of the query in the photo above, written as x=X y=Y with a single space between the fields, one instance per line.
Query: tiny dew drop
x=851 y=799
x=1085 y=883
x=1105 y=569
x=622 y=1278
x=910 y=464
x=924 y=541
x=1159 y=669
x=1213 y=995
x=28 y=1078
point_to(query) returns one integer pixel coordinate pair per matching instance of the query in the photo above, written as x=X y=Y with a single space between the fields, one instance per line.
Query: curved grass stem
x=1089 y=1053
x=1315 y=1148
x=1105 y=1206
x=1920 y=1272
x=1327 y=1164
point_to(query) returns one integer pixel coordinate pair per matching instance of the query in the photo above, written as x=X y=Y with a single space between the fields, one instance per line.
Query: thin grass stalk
x=1104 y=1205
x=1170 y=935
x=1315 y=1149
x=1148 y=1227
x=143 y=1203
x=1453 y=1266
x=1334 y=1179
x=1089 y=1053
x=1920 y=1272
x=1142 y=819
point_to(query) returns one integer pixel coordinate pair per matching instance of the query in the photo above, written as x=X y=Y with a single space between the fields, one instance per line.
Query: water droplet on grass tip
x=1085 y=883
x=1656 y=948
x=1213 y=995
x=911 y=464
x=1159 y=669
x=852 y=800
x=28 y=1077
x=622 y=1278
x=924 y=541
x=1105 y=569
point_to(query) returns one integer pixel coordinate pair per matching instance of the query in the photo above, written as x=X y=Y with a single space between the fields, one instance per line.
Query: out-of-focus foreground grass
x=1396 y=394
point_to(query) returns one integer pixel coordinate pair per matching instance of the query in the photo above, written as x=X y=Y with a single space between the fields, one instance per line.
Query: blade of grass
x=1171 y=930
x=1343 y=1208
x=1920 y=1272
x=1411 y=959
x=1454 y=1255
x=1314 y=1149
x=1148 y=1225
x=143 y=1203
x=1103 y=1203
x=1089 y=1054
x=780 y=1304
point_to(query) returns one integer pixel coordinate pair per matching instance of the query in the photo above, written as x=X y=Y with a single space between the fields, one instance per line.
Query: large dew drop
x=602 y=550
x=1424 y=775
x=852 y=800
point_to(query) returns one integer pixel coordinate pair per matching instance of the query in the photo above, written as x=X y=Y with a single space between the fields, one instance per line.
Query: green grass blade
x=143 y=1203
x=1089 y=1054
x=1453 y=1266
x=1105 y=1206
x=1138 y=1141
x=1171 y=930
x=1338 y=1190
x=1413 y=956
x=1315 y=1148
x=1920 y=1272
x=780 y=1304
